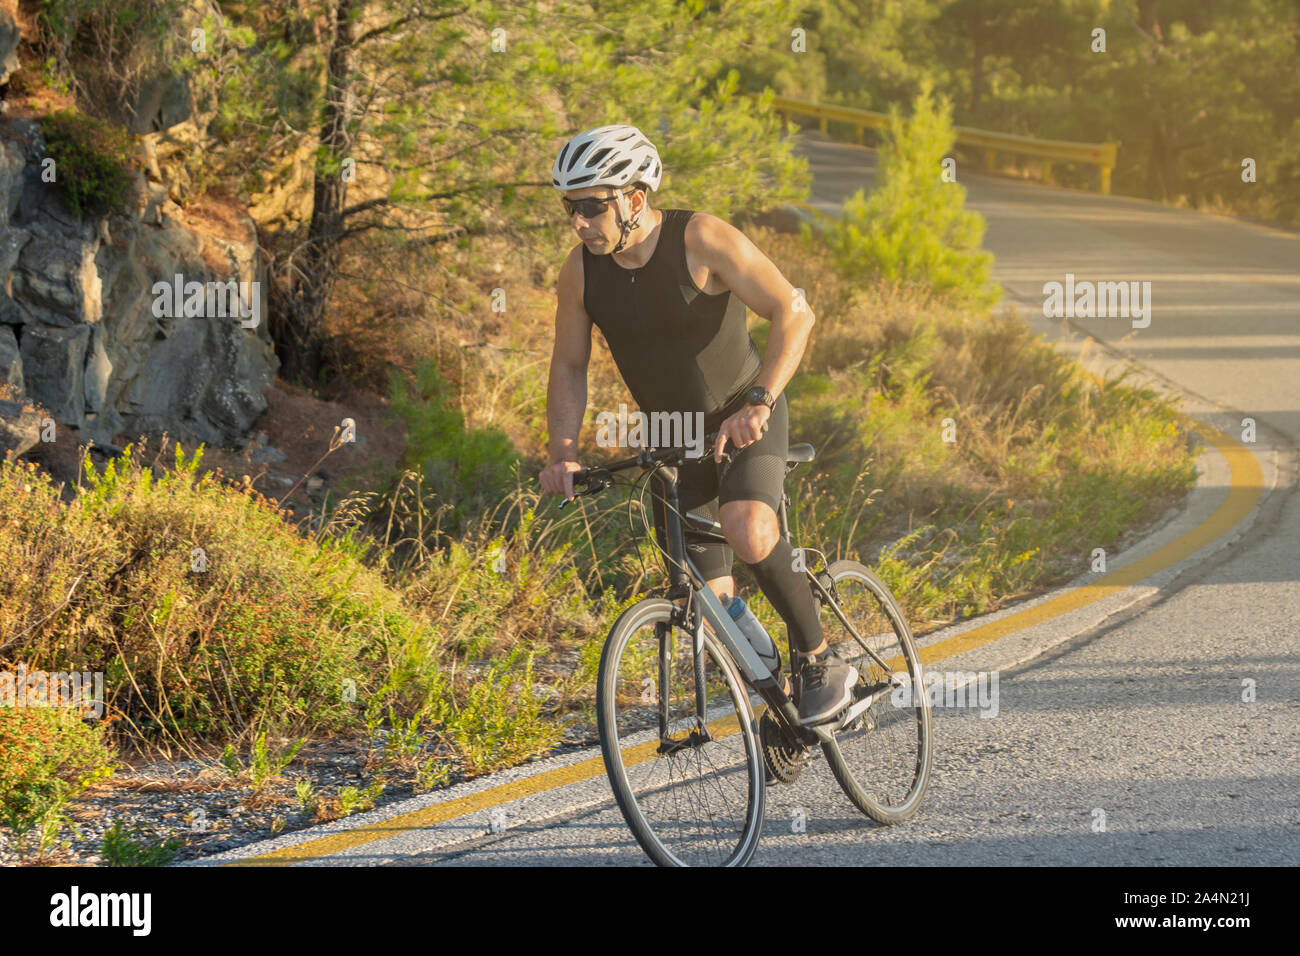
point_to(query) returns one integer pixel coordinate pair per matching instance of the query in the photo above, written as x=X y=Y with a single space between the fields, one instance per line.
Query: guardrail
x=1101 y=155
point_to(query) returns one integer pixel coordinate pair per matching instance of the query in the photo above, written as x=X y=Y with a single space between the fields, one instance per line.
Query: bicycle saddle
x=800 y=452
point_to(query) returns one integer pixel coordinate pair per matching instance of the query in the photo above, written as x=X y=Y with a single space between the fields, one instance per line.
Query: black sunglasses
x=589 y=208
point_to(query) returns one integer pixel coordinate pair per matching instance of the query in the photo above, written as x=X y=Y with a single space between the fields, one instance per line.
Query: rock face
x=20 y=428
x=87 y=330
x=9 y=37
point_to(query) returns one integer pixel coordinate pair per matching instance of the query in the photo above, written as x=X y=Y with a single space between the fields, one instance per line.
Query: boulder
x=20 y=428
x=55 y=280
x=9 y=37
x=54 y=360
x=11 y=360
x=160 y=103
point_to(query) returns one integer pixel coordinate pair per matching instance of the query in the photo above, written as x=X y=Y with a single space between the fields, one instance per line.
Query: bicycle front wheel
x=882 y=757
x=689 y=784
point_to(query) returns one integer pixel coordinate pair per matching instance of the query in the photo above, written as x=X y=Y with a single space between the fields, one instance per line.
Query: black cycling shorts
x=755 y=473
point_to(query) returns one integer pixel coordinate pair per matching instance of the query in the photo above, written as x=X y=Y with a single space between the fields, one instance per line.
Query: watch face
x=758 y=396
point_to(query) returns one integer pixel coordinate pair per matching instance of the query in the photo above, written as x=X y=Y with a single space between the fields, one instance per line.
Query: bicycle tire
x=666 y=818
x=883 y=761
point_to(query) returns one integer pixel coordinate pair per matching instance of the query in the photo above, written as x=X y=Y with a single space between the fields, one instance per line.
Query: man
x=668 y=288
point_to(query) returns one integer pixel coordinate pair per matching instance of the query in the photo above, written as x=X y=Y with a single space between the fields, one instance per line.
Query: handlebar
x=600 y=477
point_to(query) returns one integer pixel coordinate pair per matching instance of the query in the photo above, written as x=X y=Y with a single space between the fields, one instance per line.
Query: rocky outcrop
x=91 y=327
x=9 y=37
x=20 y=428
x=11 y=362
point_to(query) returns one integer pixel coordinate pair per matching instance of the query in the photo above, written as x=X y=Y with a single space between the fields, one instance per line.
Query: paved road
x=1134 y=713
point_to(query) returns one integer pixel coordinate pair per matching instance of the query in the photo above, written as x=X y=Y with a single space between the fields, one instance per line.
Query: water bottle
x=754 y=633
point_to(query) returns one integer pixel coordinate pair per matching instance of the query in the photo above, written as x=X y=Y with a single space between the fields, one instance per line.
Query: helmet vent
x=576 y=153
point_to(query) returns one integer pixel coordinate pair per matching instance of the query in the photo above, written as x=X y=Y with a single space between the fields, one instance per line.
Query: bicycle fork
x=699 y=733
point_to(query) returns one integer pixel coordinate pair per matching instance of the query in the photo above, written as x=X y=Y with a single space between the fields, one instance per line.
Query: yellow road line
x=1245 y=489
x=429 y=816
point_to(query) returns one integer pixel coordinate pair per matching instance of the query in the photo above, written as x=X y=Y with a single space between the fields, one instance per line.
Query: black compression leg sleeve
x=790 y=595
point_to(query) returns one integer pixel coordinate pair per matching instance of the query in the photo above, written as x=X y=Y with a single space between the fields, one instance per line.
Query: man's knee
x=751 y=528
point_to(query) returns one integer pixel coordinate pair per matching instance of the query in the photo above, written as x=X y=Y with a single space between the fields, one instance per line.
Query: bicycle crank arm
x=870 y=696
x=855 y=711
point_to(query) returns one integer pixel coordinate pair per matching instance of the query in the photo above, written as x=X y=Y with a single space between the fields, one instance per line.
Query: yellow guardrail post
x=1106 y=162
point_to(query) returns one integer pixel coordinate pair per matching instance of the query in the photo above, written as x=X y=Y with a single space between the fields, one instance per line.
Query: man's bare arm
x=729 y=254
x=566 y=390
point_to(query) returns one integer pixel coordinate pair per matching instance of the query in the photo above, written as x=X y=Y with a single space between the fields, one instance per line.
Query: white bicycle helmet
x=607 y=156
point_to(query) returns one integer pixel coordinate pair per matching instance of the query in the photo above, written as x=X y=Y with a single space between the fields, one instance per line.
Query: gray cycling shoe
x=825 y=687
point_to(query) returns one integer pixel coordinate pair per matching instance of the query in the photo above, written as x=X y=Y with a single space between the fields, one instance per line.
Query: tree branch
x=402 y=21
x=383 y=201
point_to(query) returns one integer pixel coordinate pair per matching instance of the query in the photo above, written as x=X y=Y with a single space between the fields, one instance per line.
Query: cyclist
x=668 y=289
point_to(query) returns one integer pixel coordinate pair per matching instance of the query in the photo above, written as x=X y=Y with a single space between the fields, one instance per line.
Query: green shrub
x=91 y=161
x=48 y=755
x=913 y=228
x=136 y=847
x=468 y=469
x=500 y=723
x=277 y=633
x=264 y=763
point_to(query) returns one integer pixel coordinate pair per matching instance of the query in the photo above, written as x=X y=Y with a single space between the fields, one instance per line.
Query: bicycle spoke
x=700 y=803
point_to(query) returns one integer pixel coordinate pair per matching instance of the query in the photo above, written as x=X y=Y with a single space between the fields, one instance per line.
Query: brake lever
x=595 y=485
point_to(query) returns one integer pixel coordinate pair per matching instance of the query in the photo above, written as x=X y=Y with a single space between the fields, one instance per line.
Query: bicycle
x=672 y=701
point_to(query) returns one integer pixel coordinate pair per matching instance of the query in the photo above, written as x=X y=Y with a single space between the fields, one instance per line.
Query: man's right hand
x=558 y=478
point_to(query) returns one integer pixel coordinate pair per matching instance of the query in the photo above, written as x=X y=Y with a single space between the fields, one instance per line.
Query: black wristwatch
x=758 y=395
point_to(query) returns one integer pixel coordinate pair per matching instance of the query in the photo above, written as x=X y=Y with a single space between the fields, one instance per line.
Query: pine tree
x=913 y=227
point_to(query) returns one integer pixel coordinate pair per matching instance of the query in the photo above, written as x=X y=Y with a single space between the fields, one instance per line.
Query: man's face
x=599 y=230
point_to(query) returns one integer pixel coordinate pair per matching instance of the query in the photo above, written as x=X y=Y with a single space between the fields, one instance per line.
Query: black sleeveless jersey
x=676 y=348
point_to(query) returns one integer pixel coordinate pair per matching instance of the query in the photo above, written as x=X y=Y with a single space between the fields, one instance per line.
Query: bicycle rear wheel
x=882 y=758
x=690 y=801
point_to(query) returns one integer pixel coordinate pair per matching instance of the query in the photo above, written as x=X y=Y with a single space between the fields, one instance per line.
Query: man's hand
x=558 y=478
x=743 y=428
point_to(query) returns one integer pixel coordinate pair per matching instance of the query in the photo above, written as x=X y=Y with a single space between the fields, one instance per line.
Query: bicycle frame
x=752 y=668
